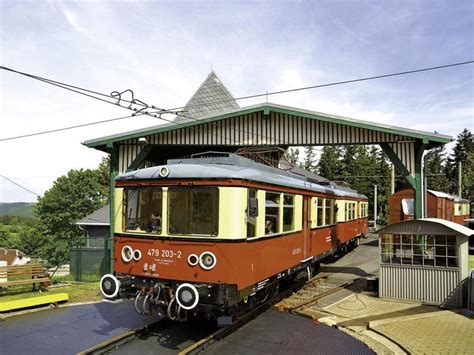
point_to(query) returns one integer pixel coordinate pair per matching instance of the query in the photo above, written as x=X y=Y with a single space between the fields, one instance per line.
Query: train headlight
x=127 y=253
x=207 y=260
x=164 y=171
x=109 y=286
x=193 y=259
x=187 y=296
x=137 y=255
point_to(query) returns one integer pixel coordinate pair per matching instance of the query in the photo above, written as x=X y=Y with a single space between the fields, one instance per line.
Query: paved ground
x=67 y=330
x=167 y=337
x=284 y=333
x=389 y=326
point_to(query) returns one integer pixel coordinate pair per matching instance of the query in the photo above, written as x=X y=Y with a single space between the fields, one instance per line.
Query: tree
x=104 y=176
x=71 y=198
x=309 y=162
x=329 y=164
x=436 y=170
x=292 y=156
x=463 y=152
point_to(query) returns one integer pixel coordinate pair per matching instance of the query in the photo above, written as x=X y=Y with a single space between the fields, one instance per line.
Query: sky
x=163 y=50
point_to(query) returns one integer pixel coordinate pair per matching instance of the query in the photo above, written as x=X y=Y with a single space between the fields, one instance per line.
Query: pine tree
x=292 y=156
x=436 y=171
x=329 y=164
x=463 y=152
x=309 y=162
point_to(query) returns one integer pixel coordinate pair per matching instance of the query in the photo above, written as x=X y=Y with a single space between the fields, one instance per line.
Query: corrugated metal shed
x=434 y=226
x=442 y=285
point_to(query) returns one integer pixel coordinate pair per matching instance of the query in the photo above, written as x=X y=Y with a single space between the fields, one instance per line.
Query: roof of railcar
x=236 y=167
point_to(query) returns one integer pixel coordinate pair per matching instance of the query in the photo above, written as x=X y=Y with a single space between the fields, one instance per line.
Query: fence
x=90 y=262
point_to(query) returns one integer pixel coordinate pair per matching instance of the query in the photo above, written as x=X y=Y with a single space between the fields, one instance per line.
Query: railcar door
x=306 y=227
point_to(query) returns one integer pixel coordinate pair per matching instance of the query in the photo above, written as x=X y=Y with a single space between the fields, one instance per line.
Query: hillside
x=24 y=209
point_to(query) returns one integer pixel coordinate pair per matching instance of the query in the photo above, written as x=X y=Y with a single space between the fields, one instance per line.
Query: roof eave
x=430 y=139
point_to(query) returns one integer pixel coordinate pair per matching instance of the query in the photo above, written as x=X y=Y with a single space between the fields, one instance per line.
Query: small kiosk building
x=425 y=260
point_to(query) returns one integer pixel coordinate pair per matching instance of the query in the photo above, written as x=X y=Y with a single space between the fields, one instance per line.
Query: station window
x=288 y=212
x=329 y=209
x=252 y=213
x=422 y=250
x=272 y=212
x=320 y=221
x=193 y=211
x=143 y=210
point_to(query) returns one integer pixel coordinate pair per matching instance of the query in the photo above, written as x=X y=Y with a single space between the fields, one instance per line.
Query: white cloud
x=163 y=51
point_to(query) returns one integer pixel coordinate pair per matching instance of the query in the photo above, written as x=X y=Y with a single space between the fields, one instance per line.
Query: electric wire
x=20 y=186
x=173 y=110
x=68 y=86
x=336 y=83
x=66 y=128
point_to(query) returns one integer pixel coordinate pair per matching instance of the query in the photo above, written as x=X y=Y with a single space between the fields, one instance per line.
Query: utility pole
x=459 y=179
x=375 y=206
x=392 y=181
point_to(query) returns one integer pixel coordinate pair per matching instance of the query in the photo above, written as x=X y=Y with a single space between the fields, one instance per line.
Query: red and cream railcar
x=439 y=205
x=214 y=234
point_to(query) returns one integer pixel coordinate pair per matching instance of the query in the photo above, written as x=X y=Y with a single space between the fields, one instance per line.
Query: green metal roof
x=426 y=137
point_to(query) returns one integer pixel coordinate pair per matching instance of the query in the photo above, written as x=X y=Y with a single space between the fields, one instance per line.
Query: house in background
x=91 y=258
x=96 y=227
x=12 y=257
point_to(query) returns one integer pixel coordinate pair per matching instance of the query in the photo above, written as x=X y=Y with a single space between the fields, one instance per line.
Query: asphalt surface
x=167 y=337
x=67 y=330
x=274 y=332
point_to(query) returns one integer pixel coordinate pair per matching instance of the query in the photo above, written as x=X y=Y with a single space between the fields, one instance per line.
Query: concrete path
x=67 y=330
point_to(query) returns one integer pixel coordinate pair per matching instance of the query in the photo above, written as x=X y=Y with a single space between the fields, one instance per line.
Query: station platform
x=68 y=330
x=274 y=332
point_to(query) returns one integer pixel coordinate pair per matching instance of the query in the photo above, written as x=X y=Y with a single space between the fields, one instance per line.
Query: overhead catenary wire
x=20 y=186
x=336 y=83
x=174 y=110
x=66 y=128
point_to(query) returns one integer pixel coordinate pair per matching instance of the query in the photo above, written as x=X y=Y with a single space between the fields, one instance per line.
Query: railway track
x=294 y=299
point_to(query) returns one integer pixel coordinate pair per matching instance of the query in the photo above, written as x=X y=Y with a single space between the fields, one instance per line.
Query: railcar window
x=272 y=212
x=193 y=211
x=320 y=212
x=288 y=212
x=251 y=220
x=328 y=220
x=426 y=250
x=143 y=210
x=350 y=211
x=363 y=209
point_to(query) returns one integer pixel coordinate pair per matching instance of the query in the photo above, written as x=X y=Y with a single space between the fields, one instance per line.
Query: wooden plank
x=33 y=301
x=24 y=282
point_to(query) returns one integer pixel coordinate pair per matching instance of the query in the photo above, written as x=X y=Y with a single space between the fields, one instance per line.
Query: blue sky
x=164 y=50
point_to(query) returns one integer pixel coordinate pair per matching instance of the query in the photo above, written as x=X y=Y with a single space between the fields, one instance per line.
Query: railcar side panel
x=242 y=262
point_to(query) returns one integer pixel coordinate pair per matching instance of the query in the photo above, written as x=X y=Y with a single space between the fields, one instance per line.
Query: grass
x=70 y=277
x=78 y=292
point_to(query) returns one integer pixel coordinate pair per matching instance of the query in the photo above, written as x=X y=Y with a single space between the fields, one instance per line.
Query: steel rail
x=221 y=333
x=117 y=341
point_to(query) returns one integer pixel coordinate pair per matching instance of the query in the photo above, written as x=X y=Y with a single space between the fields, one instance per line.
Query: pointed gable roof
x=211 y=98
